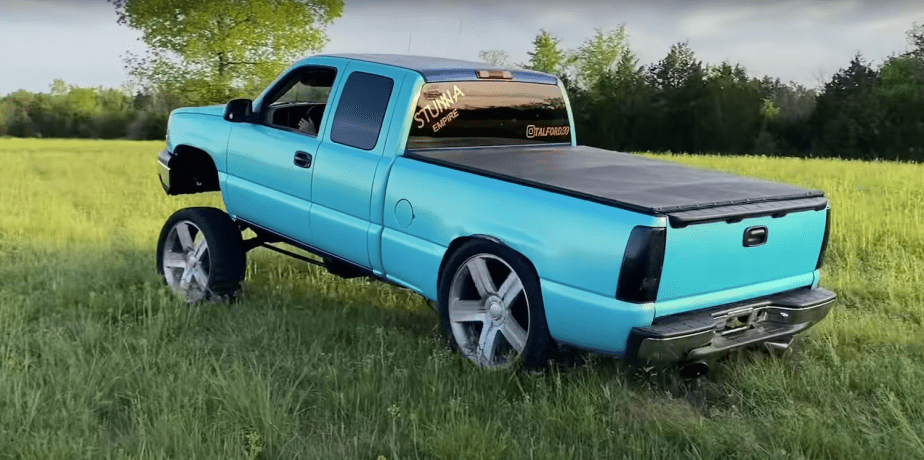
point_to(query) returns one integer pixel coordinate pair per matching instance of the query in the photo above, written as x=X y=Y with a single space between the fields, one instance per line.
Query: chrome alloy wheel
x=488 y=311
x=186 y=262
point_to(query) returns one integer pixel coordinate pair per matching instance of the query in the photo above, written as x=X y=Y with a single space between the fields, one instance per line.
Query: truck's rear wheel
x=200 y=255
x=491 y=307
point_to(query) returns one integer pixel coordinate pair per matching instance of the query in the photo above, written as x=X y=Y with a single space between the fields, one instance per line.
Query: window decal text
x=435 y=108
x=547 y=131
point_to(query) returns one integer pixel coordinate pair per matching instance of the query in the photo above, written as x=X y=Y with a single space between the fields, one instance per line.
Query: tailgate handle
x=755 y=236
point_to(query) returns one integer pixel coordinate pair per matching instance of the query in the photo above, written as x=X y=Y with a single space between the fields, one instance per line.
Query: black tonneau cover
x=685 y=194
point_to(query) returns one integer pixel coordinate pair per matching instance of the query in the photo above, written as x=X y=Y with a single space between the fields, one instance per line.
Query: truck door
x=270 y=160
x=346 y=162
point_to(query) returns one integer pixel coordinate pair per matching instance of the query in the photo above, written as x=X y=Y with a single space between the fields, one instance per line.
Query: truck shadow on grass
x=705 y=392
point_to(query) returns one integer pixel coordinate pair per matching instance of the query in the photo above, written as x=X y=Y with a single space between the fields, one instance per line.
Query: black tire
x=457 y=285
x=221 y=262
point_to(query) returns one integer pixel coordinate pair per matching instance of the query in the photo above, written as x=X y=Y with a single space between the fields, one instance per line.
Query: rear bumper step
x=700 y=334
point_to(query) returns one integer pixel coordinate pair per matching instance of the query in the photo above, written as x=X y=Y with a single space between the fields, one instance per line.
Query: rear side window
x=361 y=110
x=480 y=113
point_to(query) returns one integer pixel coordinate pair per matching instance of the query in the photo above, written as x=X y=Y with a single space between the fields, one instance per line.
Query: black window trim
x=272 y=93
x=419 y=93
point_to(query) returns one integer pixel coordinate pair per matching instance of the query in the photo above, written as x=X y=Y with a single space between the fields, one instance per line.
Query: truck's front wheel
x=200 y=254
x=491 y=307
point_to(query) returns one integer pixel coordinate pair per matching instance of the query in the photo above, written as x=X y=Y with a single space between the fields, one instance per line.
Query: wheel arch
x=193 y=170
x=459 y=242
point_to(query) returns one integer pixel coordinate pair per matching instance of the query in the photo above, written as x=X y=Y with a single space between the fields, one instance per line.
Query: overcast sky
x=807 y=41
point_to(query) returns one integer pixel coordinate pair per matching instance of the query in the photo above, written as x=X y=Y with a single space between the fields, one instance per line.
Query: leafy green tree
x=916 y=38
x=679 y=81
x=795 y=101
x=67 y=111
x=6 y=112
x=679 y=68
x=729 y=111
x=615 y=115
x=209 y=51
x=901 y=93
x=848 y=118
x=16 y=108
x=607 y=91
x=788 y=131
x=766 y=144
x=547 y=56
x=604 y=57
x=902 y=78
x=113 y=100
x=727 y=76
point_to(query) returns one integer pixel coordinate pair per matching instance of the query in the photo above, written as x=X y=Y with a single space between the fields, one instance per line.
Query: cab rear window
x=481 y=113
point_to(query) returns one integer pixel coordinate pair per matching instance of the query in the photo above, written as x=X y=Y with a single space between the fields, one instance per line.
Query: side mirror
x=239 y=110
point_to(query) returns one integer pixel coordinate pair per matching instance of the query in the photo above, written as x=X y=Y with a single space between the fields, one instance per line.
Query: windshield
x=481 y=113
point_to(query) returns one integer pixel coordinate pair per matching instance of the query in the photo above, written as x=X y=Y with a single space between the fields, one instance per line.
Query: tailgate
x=715 y=262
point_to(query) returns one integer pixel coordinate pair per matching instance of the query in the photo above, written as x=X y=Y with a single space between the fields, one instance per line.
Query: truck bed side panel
x=569 y=240
x=572 y=243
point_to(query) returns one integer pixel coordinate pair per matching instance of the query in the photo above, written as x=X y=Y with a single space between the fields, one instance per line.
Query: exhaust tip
x=694 y=369
x=778 y=346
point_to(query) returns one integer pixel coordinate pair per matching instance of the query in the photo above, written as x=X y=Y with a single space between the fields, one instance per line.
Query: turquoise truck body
x=398 y=217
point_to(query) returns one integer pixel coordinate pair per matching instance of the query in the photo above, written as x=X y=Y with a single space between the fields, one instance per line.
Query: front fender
x=196 y=152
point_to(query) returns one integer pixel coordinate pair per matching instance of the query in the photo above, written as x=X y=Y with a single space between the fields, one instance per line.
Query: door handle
x=303 y=159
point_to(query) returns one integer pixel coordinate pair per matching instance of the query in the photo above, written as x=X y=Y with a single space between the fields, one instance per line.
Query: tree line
x=70 y=111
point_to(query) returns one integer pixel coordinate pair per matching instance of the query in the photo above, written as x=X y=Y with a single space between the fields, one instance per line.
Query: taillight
x=640 y=274
x=824 y=241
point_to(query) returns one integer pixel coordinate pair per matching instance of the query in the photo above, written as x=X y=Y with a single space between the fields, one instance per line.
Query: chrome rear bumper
x=704 y=333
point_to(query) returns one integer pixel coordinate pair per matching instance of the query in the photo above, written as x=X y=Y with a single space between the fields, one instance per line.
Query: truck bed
x=687 y=195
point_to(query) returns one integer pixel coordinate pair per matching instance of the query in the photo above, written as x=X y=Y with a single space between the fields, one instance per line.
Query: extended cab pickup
x=463 y=182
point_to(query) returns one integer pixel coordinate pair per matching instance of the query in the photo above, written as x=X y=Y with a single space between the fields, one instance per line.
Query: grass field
x=98 y=360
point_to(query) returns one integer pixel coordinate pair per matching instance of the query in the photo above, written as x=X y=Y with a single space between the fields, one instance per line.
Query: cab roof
x=434 y=69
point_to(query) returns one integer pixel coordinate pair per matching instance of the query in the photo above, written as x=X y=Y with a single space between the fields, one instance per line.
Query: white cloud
x=745 y=19
x=706 y=24
x=787 y=60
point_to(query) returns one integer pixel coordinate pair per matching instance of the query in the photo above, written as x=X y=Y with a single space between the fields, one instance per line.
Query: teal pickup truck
x=463 y=182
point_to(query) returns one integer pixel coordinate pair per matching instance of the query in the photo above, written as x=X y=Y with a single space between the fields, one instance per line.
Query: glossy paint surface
x=264 y=185
x=202 y=128
x=590 y=321
x=343 y=180
x=711 y=258
x=568 y=240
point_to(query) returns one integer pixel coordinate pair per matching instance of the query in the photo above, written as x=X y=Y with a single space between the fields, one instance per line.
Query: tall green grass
x=97 y=360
